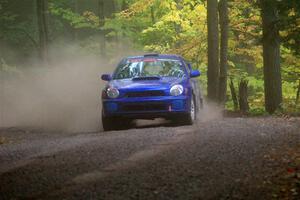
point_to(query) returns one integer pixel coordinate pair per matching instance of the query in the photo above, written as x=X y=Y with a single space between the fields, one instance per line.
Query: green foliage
x=165 y=26
x=87 y=20
x=258 y=111
x=289 y=11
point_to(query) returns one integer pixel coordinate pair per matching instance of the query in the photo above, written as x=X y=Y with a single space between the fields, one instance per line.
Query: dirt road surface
x=218 y=159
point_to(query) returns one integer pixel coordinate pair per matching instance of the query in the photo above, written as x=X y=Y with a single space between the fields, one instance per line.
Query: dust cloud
x=211 y=111
x=64 y=95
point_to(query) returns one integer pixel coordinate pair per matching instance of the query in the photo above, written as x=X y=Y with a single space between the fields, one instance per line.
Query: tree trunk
x=213 y=50
x=124 y=5
x=224 y=21
x=102 y=32
x=77 y=11
x=42 y=11
x=271 y=55
x=110 y=8
x=298 y=94
x=243 y=96
x=233 y=95
x=152 y=15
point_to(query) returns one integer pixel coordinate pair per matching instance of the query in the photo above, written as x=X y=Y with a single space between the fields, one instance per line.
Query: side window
x=188 y=66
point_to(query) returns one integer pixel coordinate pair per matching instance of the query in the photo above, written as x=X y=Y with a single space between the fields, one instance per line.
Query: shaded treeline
x=274 y=15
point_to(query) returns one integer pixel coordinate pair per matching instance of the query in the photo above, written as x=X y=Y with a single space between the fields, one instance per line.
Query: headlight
x=112 y=93
x=176 y=90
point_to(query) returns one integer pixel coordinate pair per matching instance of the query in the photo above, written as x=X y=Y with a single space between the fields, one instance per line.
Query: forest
x=247 y=50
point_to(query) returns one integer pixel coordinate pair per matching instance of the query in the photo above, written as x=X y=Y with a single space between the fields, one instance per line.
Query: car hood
x=161 y=83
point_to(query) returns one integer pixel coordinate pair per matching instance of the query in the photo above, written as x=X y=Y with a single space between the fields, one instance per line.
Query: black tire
x=116 y=123
x=108 y=123
x=190 y=117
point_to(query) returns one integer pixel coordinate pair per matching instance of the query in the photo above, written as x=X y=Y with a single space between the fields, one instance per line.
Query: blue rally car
x=148 y=87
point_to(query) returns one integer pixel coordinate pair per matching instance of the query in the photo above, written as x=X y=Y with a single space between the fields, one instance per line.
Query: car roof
x=153 y=55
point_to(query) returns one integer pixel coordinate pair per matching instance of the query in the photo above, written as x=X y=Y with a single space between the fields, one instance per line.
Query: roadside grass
x=259 y=111
x=289 y=107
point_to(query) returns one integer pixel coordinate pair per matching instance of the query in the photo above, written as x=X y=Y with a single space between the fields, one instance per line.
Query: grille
x=146 y=94
x=144 y=107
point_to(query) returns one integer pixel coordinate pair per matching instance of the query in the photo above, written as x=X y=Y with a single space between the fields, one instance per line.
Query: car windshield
x=133 y=68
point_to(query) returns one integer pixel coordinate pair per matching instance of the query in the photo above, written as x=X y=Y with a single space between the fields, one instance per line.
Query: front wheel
x=108 y=123
x=116 y=123
x=190 y=117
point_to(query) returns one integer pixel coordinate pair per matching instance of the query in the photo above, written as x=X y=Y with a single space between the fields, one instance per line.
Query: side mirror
x=195 y=73
x=106 y=77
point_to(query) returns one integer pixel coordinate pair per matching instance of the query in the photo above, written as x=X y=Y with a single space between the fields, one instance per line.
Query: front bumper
x=143 y=108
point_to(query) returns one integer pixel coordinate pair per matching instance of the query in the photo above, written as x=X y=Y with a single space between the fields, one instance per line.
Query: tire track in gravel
x=220 y=159
x=37 y=164
x=133 y=159
x=16 y=156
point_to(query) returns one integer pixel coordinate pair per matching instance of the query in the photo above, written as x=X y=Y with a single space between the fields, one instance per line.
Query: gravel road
x=217 y=159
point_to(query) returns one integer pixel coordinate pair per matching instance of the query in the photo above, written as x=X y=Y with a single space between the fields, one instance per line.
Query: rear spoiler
x=151 y=55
